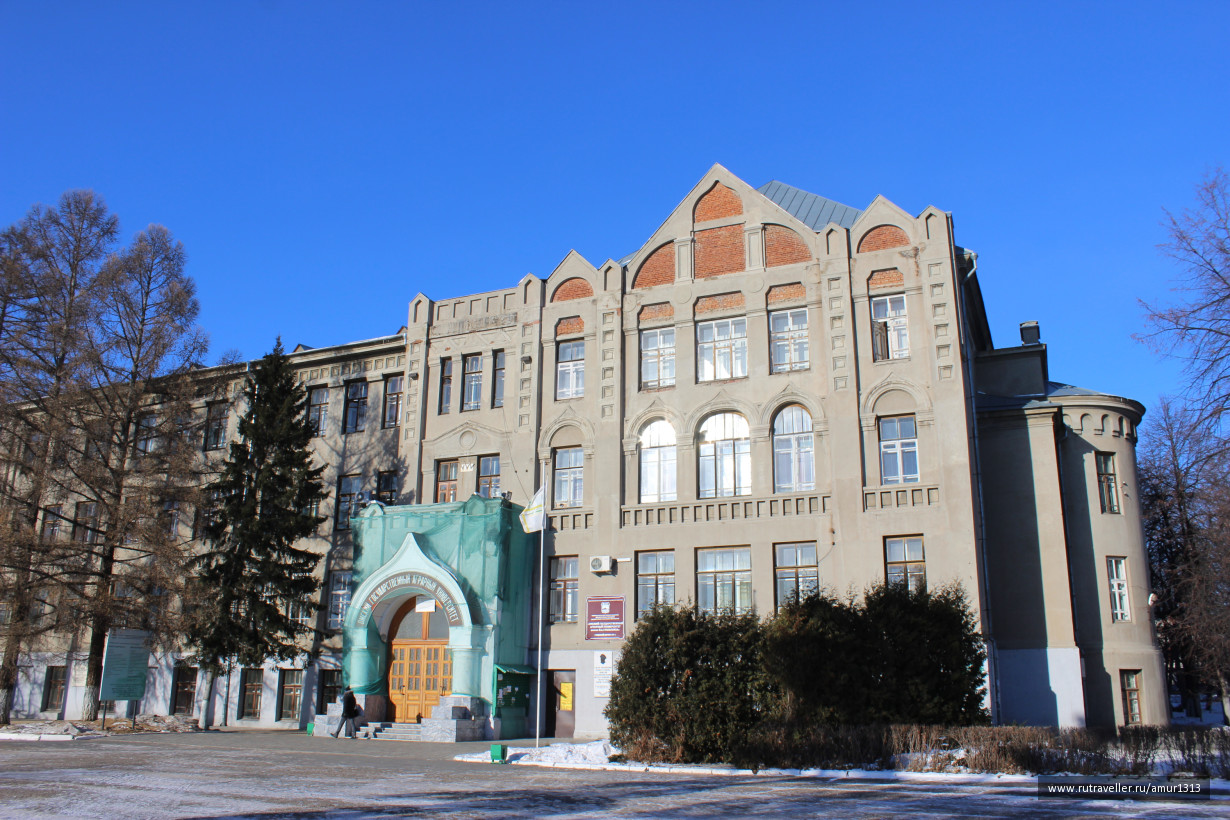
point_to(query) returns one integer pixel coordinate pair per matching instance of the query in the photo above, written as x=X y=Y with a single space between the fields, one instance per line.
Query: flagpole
x=542 y=585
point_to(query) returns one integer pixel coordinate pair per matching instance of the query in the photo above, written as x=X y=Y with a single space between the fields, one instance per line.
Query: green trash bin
x=499 y=753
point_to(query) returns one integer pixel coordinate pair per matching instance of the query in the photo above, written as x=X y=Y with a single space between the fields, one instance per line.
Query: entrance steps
x=454 y=718
x=392 y=731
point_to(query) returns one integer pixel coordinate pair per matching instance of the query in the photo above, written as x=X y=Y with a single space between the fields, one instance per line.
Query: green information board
x=125 y=665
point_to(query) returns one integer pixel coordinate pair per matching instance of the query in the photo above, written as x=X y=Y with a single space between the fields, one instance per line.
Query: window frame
x=1117 y=586
x=49 y=529
x=215 y=426
x=145 y=434
x=658 y=584
x=570 y=370
x=339 y=598
x=328 y=688
x=346 y=500
x=1108 y=482
x=85 y=524
x=890 y=333
x=393 y=386
x=909 y=570
x=660 y=356
x=568 y=480
x=354 y=408
x=488 y=482
x=795 y=575
x=794 y=449
x=659 y=461
x=898 y=449
x=471 y=382
x=720 y=457
x=497 y=378
x=318 y=407
x=55 y=688
x=564 y=590
x=791 y=339
x=1129 y=691
x=387 y=487
x=251 y=691
x=183 y=684
x=448 y=471
x=290 y=694
x=445 y=399
x=734 y=346
x=735 y=582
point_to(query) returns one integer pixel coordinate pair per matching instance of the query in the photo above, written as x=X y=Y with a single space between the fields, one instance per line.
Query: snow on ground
x=72 y=729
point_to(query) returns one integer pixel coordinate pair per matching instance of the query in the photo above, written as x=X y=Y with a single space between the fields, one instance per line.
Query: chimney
x=1031 y=334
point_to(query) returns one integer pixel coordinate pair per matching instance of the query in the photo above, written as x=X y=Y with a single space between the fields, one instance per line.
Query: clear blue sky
x=323 y=162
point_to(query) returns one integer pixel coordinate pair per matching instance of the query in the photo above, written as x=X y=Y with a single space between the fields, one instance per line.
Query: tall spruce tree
x=252 y=574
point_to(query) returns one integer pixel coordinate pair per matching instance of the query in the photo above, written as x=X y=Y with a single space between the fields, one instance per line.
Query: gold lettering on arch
x=410 y=581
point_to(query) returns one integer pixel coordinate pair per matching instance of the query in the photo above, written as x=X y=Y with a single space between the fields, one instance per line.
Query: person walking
x=350 y=711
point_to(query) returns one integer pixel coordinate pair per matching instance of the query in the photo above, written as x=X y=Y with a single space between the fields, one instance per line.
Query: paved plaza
x=269 y=774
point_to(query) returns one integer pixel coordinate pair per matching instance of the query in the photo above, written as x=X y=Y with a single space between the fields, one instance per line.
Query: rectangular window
x=348 y=489
x=446 y=481
x=147 y=434
x=339 y=598
x=53 y=689
x=904 y=562
x=721 y=350
x=354 y=415
x=251 y=681
x=564 y=589
x=386 y=487
x=318 y=408
x=170 y=518
x=290 y=693
x=207 y=512
x=788 y=340
x=392 y=401
x=1116 y=572
x=657 y=358
x=215 y=425
x=497 y=384
x=1108 y=487
x=446 y=385
x=898 y=450
x=183 y=690
x=724 y=580
x=328 y=689
x=797 y=573
x=890 y=332
x=301 y=612
x=569 y=477
x=570 y=370
x=489 y=476
x=85 y=523
x=1129 y=681
x=471 y=382
x=655 y=580
x=51 y=523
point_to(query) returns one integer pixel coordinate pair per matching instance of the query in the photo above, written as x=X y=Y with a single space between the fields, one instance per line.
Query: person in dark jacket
x=350 y=711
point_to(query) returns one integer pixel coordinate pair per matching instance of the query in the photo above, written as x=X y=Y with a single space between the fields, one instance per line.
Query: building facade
x=775 y=393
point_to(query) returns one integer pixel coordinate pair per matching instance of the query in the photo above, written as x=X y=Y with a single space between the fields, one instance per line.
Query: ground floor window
x=904 y=562
x=250 y=683
x=655 y=580
x=724 y=580
x=183 y=690
x=1129 y=679
x=329 y=689
x=290 y=693
x=797 y=573
x=53 y=689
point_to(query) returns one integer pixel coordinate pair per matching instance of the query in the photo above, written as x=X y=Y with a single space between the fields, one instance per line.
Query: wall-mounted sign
x=604 y=619
x=604 y=670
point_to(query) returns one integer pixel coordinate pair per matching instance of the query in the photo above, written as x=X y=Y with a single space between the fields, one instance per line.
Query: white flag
x=532 y=516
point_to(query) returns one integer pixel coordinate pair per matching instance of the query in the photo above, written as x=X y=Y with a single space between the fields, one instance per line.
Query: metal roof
x=813 y=211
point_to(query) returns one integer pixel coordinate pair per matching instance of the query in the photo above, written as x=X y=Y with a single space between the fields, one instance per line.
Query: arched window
x=725 y=456
x=657 y=462
x=794 y=458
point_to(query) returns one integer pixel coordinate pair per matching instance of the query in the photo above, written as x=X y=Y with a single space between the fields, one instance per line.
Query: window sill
x=569 y=398
x=352 y=432
x=658 y=389
x=788 y=371
x=722 y=381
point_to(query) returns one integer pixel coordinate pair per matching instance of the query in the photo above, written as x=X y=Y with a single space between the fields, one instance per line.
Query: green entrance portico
x=468 y=565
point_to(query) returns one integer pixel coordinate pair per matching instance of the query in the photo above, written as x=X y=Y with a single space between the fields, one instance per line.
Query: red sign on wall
x=604 y=619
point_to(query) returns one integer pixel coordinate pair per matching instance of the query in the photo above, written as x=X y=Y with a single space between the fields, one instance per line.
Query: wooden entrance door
x=420 y=665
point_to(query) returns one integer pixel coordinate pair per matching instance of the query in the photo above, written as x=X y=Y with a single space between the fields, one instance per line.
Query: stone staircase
x=392 y=731
x=454 y=718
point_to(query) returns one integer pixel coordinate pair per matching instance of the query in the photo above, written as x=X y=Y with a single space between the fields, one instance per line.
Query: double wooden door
x=420 y=672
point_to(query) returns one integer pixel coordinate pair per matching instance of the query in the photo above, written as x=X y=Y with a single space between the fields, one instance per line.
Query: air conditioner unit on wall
x=600 y=563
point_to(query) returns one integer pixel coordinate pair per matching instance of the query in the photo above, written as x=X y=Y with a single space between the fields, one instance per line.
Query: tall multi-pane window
x=318 y=408
x=898 y=450
x=724 y=580
x=169 y=518
x=348 y=489
x=215 y=425
x=446 y=481
x=301 y=612
x=1129 y=683
x=794 y=457
x=392 y=401
x=657 y=462
x=328 y=689
x=904 y=562
x=564 y=589
x=1108 y=488
x=339 y=598
x=183 y=689
x=354 y=419
x=446 y=385
x=386 y=487
x=890 y=331
x=788 y=340
x=471 y=382
x=497 y=379
x=251 y=683
x=489 y=476
x=290 y=693
x=53 y=688
x=655 y=580
x=1116 y=573
x=725 y=456
x=569 y=477
x=85 y=523
x=797 y=573
x=721 y=350
x=657 y=358
x=570 y=370
x=52 y=515
x=147 y=434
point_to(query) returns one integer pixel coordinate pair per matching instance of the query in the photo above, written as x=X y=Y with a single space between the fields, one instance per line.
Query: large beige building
x=775 y=392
